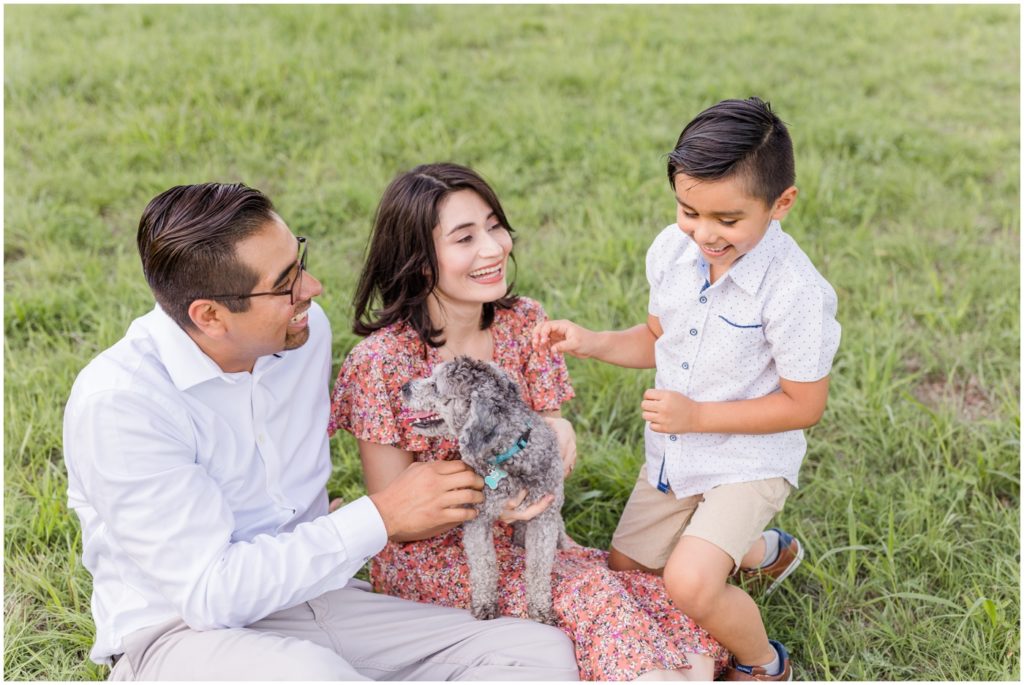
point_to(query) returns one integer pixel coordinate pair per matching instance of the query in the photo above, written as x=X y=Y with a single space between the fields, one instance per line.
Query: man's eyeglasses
x=295 y=286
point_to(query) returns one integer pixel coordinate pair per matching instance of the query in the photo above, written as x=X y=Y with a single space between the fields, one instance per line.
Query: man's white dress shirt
x=771 y=316
x=201 y=494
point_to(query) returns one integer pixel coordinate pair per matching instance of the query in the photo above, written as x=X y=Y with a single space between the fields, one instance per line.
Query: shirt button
x=686 y=365
x=703 y=300
x=693 y=331
x=672 y=438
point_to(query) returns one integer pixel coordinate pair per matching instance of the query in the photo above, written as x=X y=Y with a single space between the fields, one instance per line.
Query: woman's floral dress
x=622 y=622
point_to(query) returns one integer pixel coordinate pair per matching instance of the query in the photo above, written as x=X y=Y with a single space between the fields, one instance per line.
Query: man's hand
x=670 y=412
x=565 y=337
x=427 y=495
x=566 y=435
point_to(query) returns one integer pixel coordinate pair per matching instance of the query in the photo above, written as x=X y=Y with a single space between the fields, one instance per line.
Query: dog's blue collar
x=515 y=449
x=494 y=477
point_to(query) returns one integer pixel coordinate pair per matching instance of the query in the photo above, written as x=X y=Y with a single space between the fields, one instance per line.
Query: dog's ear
x=479 y=429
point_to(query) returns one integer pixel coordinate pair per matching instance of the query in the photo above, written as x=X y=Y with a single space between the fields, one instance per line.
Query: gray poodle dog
x=513 y=448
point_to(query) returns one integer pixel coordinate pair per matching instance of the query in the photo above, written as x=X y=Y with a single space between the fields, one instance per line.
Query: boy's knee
x=617 y=561
x=693 y=589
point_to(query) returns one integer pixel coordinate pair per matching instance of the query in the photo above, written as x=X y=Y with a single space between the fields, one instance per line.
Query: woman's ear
x=209 y=317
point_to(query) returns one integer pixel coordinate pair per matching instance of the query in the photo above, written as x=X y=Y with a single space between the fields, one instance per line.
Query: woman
x=436 y=271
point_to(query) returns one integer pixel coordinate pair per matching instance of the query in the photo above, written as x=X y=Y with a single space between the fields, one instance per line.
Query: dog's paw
x=544 y=615
x=485 y=612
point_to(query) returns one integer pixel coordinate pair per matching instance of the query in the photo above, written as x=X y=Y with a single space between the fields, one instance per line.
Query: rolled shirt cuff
x=360 y=528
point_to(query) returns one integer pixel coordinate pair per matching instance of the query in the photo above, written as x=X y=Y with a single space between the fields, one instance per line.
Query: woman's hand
x=566 y=435
x=513 y=513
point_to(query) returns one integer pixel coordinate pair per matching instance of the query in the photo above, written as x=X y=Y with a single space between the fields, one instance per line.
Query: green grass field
x=906 y=123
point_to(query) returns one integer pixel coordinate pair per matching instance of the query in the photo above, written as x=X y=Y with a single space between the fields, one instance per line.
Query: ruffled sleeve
x=367 y=397
x=544 y=374
x=360 y=403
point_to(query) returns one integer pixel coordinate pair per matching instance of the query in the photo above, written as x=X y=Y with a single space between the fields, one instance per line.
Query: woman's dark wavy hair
x=400 y=269
x=737 y=137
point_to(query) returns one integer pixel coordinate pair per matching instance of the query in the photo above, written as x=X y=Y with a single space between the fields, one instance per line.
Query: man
x=197 y=457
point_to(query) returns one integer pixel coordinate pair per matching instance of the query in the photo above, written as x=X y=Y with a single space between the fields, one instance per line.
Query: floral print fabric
x=622 y=622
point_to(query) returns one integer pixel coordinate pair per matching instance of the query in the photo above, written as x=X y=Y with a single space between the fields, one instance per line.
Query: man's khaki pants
x=352 y=634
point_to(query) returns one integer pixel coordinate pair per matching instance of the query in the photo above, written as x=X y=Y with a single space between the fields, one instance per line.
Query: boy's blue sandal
x=791 y=553
x=737 y=671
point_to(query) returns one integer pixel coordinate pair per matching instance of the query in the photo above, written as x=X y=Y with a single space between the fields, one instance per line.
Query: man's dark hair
x=737 y=138
x=187 y=238
x=400 y=271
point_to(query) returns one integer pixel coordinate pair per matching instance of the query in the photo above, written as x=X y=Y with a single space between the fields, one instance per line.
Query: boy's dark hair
x=737 y=137
x=400 y=271
x=187 y=238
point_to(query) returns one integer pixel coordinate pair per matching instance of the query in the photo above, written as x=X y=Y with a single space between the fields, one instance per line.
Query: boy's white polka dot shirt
x=771 y=316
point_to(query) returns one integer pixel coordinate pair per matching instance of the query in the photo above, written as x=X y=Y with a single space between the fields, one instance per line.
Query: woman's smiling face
x=472 y=248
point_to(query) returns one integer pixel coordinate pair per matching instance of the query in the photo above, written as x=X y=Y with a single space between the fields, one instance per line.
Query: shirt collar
x=691 y=254
x=749 y=270
x=187 y=364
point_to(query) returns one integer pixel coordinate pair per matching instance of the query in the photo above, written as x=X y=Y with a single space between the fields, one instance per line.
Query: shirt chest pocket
x=742 y=344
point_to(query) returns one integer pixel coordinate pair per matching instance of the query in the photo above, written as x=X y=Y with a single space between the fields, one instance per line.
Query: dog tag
x=494 y=477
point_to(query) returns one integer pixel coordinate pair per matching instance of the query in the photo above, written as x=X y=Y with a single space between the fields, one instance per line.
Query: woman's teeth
x=485 y=272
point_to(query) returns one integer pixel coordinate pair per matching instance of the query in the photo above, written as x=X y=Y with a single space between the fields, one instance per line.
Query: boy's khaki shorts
x=730 y=516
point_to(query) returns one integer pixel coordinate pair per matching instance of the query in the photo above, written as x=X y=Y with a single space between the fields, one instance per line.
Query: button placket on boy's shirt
x=682 y=370
x=698 y=322
x=702 y=299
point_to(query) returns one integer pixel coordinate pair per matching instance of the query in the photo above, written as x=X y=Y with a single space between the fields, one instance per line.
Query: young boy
x=742 y=330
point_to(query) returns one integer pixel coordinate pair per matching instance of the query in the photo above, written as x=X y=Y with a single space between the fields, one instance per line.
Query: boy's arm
x=632 y=348
x=796 y=406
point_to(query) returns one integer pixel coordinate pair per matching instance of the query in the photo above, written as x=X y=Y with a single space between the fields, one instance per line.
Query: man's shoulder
x=132 y=365
x=126 y=381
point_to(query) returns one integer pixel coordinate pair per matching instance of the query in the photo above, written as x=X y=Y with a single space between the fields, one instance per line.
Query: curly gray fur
x=480 y=405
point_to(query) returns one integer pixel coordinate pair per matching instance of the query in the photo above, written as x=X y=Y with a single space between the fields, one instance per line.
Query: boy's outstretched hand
x=565 y=337
x=670 y=412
